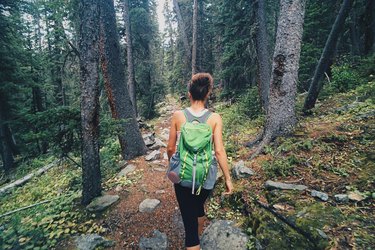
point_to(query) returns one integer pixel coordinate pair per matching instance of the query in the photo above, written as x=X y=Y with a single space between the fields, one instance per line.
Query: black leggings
x=191 y=207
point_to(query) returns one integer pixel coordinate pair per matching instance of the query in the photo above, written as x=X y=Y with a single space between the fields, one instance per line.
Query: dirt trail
x=125 y=223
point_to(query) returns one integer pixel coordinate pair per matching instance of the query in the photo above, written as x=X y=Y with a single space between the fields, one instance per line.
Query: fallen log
x=26 y=178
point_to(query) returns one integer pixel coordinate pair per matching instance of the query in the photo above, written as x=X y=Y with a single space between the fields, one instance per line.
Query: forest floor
x=331 y=151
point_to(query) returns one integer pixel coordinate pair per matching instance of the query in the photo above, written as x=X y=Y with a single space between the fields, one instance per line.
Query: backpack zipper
x=194 y=172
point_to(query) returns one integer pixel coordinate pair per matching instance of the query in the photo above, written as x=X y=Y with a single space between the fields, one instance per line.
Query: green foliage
x=344 y=78
x=60 y=127
x=42 y=226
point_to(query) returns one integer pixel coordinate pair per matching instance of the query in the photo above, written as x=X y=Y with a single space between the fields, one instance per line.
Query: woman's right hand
x=229 y=186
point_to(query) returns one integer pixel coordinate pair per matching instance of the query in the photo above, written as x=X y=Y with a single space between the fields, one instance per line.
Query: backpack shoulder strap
x=202 y=119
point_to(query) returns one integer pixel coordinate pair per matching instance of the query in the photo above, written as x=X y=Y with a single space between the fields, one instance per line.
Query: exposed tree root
x=265 y=141
x=256 y=141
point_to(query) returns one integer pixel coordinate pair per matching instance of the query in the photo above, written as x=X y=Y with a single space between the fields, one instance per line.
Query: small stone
x=320 y=195
x=128 y=169
x=354 y=196
x=154 y=155
x=159 y=241
x=343 y=198
x=102 y=202
x=148 y=205
x=160 y=191
x=158 y=144
x=118 y=189
x=160 y=169
x=284 y=186
x=165 y=156
x=322 y=234
x=92 y=241
x=241 y=171
x=149 y=139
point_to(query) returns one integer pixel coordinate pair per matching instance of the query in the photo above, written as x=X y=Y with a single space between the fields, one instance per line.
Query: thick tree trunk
x=329 y=48
x=281 y=118
x=8 y=146
x=131 y=75
x=182 y=28
x=354 y=36
x=369 y=18
x=131 y=141
x=194 y=42
x=89 y=58
x=263 y=55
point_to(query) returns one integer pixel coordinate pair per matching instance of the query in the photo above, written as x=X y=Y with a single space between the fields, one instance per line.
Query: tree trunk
x=129 y=50
x=194 y=42
x=131 y=140
x=329 y=48
x=182 y=28
x=369 y=18
x=89 y=57
x=354 y=36
x=281 y=118
x=263 y=55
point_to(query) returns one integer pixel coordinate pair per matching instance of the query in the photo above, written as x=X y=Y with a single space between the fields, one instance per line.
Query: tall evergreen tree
x=263 y=56
x=130 y=138
x=323 y=64
x=130 y=59
x=281 y=117
x=89 y=59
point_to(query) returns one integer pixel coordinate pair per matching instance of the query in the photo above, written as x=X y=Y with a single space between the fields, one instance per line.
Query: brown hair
x=200 y=85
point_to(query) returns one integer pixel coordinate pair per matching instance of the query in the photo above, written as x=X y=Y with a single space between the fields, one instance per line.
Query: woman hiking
x=191 y=194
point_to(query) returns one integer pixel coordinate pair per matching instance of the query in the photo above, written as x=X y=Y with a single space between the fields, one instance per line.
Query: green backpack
x=194 y=152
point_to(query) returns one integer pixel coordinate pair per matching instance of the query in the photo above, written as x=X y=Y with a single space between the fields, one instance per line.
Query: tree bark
x=194 y=42
x=182 y=28
x=131 y=75
x=89 y=58
x=263 y=55
x=369 y=18
x=131 y=140
x=281 y=118
x=8 y=146
x=324 y=61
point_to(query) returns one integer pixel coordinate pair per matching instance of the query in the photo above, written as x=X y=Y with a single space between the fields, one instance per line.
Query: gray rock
x=160 y=169
x=160 y=191
x=285 y=186
x=165 y=134
x=343 y=198
x=165 y=156
x=158 y=144
x=222 y=235
x=241 y=171
x=149 y=139
x=158 y=242
x=154 y=155
x=92 y=241
x=118 y=189
x=128 y=169
x=322 y=234
x=148 y=205
x=320 y=195
x=102 y=202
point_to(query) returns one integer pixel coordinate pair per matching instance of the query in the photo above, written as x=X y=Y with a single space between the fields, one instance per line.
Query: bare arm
x=220 y=153
x=171 y=148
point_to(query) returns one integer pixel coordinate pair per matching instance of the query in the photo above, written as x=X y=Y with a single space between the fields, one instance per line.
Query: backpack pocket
x=211 y=176
x=174 y=168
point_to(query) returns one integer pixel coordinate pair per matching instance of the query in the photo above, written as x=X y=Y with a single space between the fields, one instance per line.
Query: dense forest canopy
x=80 y=80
